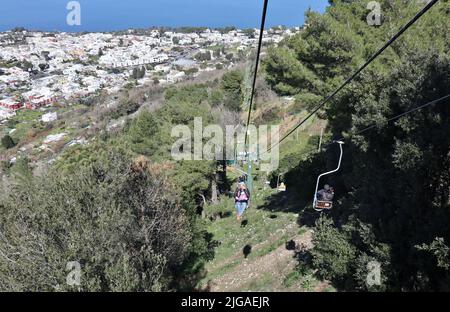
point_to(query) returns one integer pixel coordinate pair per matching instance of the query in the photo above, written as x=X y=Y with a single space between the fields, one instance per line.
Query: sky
x=109 y=15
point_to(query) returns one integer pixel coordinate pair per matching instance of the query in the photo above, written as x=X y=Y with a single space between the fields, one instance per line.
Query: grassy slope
x=254 y=256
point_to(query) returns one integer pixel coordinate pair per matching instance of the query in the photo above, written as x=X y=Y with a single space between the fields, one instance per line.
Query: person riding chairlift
x=241 y=197
x=326 y=194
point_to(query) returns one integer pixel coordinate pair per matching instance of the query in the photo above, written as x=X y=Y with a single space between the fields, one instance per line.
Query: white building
x=49 y=117
x=10 y=104
x=175 y=76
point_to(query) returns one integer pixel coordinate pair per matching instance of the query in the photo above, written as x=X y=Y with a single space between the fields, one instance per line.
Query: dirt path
x=274 y=266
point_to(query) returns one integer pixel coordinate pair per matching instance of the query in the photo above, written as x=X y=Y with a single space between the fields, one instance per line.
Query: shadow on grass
x=279 y=202
x=247 y=250
x=289 y=203
x=290 y=245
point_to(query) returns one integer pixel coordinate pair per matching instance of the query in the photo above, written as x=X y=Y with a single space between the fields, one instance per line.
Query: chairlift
x=281 y=187
x=320 y=205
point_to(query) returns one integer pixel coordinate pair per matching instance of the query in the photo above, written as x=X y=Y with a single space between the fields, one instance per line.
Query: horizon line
x=145 y=28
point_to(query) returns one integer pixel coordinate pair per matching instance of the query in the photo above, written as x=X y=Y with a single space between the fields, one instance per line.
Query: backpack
x=242 y=195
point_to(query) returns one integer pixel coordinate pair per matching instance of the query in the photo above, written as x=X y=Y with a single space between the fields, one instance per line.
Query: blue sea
x=110 y=15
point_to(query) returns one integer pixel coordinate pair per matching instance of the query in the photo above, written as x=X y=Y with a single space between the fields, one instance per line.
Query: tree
x=332 y=253
x=142 y=72
x=26 y=65
x=120 y=222
x=216 y=98
x=21 y=168
x=8 y=142
x=232 y=86
x=138 y=73
x=142 y=134
x=43 y=67
x=249 y=32
x=46 y=55
x=135 y=73
x=411 y=160
x=202 y=57
x=394 y=185
x=229 y=56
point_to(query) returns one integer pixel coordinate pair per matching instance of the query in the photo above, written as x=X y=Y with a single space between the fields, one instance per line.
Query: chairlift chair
x=320 y=205
x=281 y=187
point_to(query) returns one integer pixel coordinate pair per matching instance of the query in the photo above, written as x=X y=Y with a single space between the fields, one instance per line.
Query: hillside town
x=39 y=69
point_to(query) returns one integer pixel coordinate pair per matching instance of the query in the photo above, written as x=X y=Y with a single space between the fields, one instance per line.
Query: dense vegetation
x=132 y=216
x=115 y=219
x=393 y=192
x=119 y=206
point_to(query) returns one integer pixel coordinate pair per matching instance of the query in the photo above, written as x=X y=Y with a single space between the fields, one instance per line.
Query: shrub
x=121 y=223
x=332 y=254
x=8 y=142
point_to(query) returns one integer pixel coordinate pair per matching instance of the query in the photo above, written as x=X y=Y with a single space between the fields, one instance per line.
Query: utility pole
x=249 y=173
x=320 y=141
